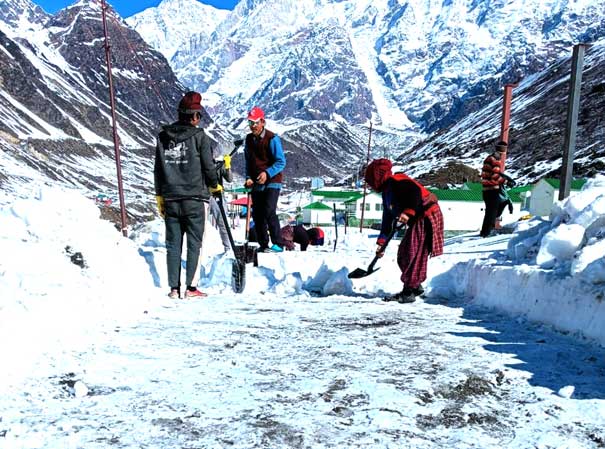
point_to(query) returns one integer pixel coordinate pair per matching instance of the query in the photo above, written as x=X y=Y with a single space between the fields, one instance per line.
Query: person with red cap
x=183 y=168
x=264 y=165
x=407 y=202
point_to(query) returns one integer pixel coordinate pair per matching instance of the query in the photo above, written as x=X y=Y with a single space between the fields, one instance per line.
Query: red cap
x=256 y=114
x=190 y=103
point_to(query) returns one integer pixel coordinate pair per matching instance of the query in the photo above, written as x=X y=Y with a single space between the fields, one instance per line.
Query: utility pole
x=365 y=184
x=506 y=104
x=116 y=141
x=508 y=95
x=573 y=107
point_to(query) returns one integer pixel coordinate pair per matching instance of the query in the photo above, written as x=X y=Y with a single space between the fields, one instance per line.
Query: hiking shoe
x=174 y=294
x=276 y=249
x=192 y=294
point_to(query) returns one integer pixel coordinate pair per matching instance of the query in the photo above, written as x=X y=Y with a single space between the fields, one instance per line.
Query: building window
x=368 y=207
x=378 y=207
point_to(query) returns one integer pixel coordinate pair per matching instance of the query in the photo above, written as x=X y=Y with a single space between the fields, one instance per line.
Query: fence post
x=571 y=127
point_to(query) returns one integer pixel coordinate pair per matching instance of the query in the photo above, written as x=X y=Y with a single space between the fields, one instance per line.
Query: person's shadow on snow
x=554 y=359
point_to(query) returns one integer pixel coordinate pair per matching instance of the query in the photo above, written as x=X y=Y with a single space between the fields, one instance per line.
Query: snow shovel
x=358 y=273
x=238 y=268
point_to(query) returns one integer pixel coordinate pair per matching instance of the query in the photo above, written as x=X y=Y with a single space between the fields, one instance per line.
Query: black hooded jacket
x=183 y=163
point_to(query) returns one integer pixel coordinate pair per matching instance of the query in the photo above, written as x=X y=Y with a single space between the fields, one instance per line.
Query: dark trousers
x=264 y=205
x=183 y=217
x=493 y=209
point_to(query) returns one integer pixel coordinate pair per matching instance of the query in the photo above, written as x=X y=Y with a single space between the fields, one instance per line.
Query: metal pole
x=573 y=106
x=116 y=141
x=365 y=184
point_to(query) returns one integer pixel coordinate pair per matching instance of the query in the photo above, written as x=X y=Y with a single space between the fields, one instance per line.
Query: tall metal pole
x=116 y=141
x=365 y=184
x=573 y=107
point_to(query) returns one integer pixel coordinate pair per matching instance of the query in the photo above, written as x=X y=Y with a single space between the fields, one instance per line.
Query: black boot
x=418 y=291
x=403 y=297
x=406 y=296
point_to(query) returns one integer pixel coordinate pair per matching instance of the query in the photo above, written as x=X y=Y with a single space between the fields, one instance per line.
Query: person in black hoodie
x=183 y=166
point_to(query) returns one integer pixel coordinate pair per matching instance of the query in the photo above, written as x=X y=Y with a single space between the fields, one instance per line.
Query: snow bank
x=64 y=271
x=552 y=271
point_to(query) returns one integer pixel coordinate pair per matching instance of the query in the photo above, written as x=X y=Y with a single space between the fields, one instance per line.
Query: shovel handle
x=384 y=245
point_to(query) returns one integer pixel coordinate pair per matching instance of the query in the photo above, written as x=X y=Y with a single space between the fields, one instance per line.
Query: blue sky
x=127 y=8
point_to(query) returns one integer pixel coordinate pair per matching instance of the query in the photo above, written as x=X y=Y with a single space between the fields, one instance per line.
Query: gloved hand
x=227 y=161
x=379 y=251
x=216 y=191
x=160 y=201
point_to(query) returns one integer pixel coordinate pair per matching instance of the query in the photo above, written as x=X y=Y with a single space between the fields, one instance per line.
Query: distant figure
x=183 y=167
x=494 y=193
x=304 y=237
x=406 y=201
x=265 y=162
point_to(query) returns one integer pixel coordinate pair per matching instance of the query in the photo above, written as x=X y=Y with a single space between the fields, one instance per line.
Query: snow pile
x=63 y=271
x=551 y=271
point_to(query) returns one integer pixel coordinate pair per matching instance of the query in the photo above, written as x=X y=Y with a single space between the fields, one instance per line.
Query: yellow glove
x=160 y=201
x=227 y=160
x=216 y=191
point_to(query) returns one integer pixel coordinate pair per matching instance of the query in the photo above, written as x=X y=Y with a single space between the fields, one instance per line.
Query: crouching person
x=406 y=202
x=304 y=237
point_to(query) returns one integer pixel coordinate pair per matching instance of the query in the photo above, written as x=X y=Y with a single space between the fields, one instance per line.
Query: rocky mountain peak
x=19 y=13
x=177 y=27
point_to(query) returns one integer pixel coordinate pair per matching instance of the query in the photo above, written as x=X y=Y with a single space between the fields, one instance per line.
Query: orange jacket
x=493 y=168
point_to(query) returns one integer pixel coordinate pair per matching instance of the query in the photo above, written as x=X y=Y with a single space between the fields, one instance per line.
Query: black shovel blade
x=361 y=273
x=238 y=276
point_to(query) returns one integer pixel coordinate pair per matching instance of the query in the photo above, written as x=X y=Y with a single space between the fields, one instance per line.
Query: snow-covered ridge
x=177 y=25
x=418 y=59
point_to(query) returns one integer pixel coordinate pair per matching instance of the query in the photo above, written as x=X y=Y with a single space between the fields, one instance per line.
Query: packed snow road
x=334 y=372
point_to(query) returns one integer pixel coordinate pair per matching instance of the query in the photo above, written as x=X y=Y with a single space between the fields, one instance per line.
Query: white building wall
x=462 y=215
x=373 y=207
x=317 y=216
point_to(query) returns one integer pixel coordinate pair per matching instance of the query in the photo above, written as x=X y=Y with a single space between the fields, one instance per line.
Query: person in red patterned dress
x=407 y=202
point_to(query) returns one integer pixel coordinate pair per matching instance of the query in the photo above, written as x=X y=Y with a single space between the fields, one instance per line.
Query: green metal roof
x=469 y=195
x=576 y=184
x=457 y=195
x=317 y=206
x=473 y=186
x=337 y=194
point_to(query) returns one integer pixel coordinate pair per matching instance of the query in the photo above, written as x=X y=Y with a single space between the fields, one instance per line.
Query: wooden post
x=573 y=106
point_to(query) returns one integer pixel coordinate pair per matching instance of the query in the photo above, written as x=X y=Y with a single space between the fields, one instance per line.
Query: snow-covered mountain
x=54 y=98
x=178 y=28
x=416 y=68
x=537 y=128
x=419 y=64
